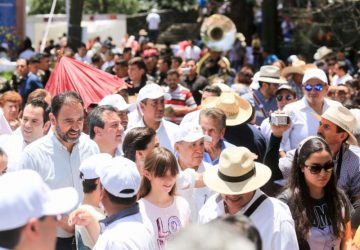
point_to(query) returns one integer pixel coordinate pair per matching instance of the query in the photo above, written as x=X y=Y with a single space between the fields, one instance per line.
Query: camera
x=279 y=119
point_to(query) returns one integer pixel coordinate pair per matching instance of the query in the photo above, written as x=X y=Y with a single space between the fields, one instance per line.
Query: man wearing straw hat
x=238 y=132
x=237 y=179
x=263 y=99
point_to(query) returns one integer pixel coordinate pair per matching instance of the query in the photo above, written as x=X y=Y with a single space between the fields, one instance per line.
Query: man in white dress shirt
x=106 y=130
x=303 y=113
x=237 y=179
x=34 y=124
x=151 y=103
x=57 y=156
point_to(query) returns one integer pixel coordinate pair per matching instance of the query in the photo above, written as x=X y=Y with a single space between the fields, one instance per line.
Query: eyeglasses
x=316 y=168
x=286 y=97
x=317 y=87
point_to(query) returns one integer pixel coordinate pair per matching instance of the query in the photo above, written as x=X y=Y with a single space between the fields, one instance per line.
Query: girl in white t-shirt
x=167 y=212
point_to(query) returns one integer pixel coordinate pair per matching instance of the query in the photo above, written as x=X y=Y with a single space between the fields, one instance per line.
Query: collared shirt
x=223 y=144
x=165 y=133
x=58 y=167
x=272 y=219
x=267 y=105
x=298 y=89
x=341 y=80
x=13 y=146
x=128 y=229
x=32 y=82
x=349 y=179
x=304 y=122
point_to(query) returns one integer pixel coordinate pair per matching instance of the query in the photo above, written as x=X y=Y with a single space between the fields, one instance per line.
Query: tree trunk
x=75 y=9
x=105 y=6
x=242 y=14
x=270 y=27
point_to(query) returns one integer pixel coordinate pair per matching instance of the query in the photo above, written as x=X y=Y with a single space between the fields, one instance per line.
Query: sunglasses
x=287 y=97
x=316 y=168
x=317 y=87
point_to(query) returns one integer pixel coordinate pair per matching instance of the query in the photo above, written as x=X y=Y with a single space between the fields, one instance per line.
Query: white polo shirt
x=304 y=122
x=58 y=167
x=272 y=218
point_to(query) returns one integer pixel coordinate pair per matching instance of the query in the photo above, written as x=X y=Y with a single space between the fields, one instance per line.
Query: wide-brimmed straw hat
x=236 y=108
x=343 y=118
x=237 y=172
x=298 y=67
x=270 y=74
x=322 y=52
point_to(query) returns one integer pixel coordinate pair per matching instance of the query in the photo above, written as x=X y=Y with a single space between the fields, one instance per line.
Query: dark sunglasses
x=316 y=168
x=287 y=97
x=317 y=87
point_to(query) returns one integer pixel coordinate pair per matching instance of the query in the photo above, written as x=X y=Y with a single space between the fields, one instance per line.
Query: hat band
x=273 y=77
x=244 y=177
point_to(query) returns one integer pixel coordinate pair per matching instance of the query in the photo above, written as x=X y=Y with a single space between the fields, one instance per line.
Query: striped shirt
x=180 y=97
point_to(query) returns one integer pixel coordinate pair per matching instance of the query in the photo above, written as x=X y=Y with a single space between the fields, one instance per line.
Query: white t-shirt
x=81 y=231
x=166 y=221
x=153 y=20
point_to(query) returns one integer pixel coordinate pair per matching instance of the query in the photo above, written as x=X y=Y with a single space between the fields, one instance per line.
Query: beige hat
x=236 y=108
x=322 y=52
x=342 y=117
x=237 y=172
x=298 y=67
x=270 y=74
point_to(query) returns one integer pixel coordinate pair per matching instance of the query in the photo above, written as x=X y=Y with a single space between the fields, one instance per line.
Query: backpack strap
x=255 y=205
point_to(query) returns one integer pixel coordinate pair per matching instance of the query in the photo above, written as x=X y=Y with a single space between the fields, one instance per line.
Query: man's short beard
x=63 y=136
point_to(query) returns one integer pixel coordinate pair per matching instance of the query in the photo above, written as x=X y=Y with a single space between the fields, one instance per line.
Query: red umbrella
x=91 y=83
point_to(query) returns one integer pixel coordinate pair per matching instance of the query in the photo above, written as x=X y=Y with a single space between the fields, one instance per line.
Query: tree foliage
x=90 y=6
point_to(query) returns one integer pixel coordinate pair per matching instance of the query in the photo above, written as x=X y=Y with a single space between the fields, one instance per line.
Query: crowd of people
x=201 y=148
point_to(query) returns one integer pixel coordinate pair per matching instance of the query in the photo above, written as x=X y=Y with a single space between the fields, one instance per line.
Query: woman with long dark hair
x=320 y=209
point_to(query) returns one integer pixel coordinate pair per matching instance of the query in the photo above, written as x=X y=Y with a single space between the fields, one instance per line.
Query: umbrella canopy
x=91 y=83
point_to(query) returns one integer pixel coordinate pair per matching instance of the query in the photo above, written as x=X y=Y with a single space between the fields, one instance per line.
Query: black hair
x=137 y=139
x=59 y=100
x=177 y=58
x=89 y=185
x=212 y=89
x=139 y=62
x=10 y=238
x=38 y=102
x=94 y=118
x=121 y=201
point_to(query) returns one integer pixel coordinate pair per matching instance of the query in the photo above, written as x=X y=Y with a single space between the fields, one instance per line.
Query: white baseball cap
x=152 y=91
x=120 y=177
x=116 y=101
x=190 y=132
x=314 y=73
x=24 y=195
x=89 y=165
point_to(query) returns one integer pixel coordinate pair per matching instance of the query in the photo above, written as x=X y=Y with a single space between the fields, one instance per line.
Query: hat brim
x=244 y=114
x=351 y=139
x=194 y=138
x=213 y=181
x=271 y=80
x=297 y=69
x=61 y=201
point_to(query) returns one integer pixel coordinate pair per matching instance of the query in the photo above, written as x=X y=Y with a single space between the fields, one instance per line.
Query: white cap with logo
x=24 y=195
x=190 y=132
x=120 y=177
x=151 y=91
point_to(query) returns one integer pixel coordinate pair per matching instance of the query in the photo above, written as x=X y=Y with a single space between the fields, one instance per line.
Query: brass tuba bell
x=218 y=32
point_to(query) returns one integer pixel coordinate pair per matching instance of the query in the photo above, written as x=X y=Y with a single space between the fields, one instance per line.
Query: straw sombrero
x=236 y=108
x=237 y=172
x=298 y=67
